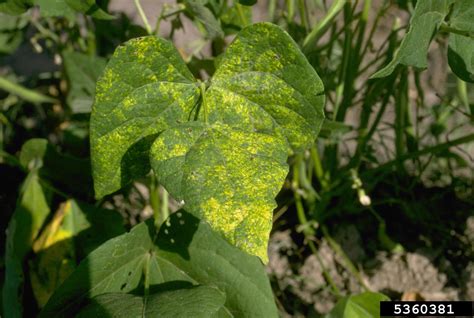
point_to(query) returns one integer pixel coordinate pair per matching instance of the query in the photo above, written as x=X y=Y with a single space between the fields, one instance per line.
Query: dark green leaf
x=461 y=47
x=196 y=302
x=202 y=14
x=265 y=84
x=226 y=176
x=248 y=2
x=145 y=88
x=15 y=7
x=89 y=7
x=55 y=8
x=82 y=72
x=185 y=251
x=73 y=174
x=428 y=16
x=11 y=33
x=25 y=224
x=365 y=305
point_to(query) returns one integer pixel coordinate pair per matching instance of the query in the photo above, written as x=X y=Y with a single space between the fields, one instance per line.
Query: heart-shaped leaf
x=264 y=94
x=226 y=176
x=196 y=302
x=185 y=252
x=145 y=88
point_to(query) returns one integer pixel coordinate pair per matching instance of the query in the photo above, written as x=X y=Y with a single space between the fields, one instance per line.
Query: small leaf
x=89 y=7
x=11 y=32
x=14 y=7
x=365 y=305
x=199 y=302
x=185 y=251
x=248 y=2
x=82 y=72
x=71 y=173
x=461 y=48
x=145 y=88
x=264 y=83
x=226 y=176
x=428 y=16
x=30 y=214
x=55 y=8
x=202 y=14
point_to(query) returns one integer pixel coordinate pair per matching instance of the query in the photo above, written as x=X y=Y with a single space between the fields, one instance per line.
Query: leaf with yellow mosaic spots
x=226 y=176
x=265 y=83
x=145 y=88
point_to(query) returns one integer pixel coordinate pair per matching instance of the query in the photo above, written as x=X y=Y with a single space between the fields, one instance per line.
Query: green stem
x=143 y=16
x=428 y=150
x=462 y=93
x=155 y=200
x=348 y=263
x=446 y=28
x=203 y=104
x=303 y=15
x=24 y=93
x=165 y=212
x=241 y=14
x=146 y=274
x=308 y=230
x=318 y=168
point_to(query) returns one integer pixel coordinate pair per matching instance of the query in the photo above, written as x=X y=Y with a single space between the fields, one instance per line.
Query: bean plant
x=290 y=123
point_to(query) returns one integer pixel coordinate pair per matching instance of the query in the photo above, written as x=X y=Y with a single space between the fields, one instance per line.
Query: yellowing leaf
x=226 y=176
x=30 y=214
x=145 y=88
x=265 y=83
x=74 y=230
x=264 y=102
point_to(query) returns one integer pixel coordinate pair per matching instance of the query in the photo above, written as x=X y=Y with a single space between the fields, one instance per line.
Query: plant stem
x=203 y=103
x=146 y=274
x=446 y=28
x=428 y=150
x=24 y=93
x=165 y=213
x=303 y=14
x=348 y=263
x=308 y=231
x=155 y=200
x=143 y=16
x=241 y=14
